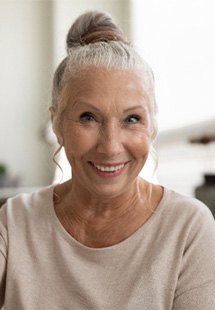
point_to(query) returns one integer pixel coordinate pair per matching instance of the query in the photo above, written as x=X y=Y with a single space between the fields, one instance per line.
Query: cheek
x=77 y=140
x=139 y=144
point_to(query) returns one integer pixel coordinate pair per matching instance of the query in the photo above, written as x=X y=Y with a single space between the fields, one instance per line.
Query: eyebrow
x=134 y=108
x=126 y=110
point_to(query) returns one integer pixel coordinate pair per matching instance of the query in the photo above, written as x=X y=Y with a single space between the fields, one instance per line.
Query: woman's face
x=106 y=130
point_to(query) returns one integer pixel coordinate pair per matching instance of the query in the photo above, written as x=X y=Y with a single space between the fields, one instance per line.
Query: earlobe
x=57 y=134
x=59 y=140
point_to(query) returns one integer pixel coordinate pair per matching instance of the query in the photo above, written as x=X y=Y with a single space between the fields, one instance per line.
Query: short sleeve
x=196 y=283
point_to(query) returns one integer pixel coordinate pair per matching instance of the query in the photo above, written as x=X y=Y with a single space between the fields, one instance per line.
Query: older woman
x=106 y=239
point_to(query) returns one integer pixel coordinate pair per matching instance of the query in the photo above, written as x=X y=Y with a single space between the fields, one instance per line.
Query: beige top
x=168 y=263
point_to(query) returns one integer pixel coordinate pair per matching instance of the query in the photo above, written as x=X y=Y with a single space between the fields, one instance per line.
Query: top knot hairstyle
x=93 y=27
x=94 y=39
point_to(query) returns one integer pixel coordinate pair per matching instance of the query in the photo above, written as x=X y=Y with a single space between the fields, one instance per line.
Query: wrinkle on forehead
x=87 y=84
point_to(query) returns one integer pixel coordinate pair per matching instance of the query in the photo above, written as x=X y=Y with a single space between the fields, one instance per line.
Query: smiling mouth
x=108 y=168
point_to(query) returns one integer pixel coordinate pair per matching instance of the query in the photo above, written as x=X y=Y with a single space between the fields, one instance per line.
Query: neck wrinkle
x=87 y=210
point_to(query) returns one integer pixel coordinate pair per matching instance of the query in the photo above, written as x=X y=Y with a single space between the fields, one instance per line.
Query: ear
x=52 y=112
x=55 y=125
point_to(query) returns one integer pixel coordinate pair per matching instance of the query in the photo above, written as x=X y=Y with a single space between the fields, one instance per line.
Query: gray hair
x=95 y=40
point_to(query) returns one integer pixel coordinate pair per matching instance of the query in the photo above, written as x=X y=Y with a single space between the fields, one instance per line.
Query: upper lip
x=109 y=164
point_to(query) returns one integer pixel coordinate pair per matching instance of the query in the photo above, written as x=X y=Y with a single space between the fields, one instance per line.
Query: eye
x=133 y=119
x=87 y=117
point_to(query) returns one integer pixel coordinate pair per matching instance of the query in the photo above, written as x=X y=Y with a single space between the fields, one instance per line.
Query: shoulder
x=39 y=195
x=185 y=206
x=192 y=226
x=17 y=209
x=186 y=218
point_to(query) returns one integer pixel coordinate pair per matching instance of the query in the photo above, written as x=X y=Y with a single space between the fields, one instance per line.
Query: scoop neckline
x=72 y=241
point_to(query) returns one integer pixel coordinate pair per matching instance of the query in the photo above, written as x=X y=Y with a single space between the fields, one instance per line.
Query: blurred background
x=177 y=40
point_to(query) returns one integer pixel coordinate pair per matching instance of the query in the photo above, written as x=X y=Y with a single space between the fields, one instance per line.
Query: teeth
x=109 y=169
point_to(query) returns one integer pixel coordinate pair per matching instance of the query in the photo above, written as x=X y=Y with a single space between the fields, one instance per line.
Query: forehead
x=105 y=86
x=96 y=80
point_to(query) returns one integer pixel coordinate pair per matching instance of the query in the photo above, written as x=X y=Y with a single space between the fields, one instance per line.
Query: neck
x=82 y=201
x=98 y=222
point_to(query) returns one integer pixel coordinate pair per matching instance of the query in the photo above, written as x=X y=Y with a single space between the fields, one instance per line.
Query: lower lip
x=108 y=174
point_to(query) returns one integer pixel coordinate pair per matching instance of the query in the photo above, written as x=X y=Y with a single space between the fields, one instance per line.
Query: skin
x=106 y=123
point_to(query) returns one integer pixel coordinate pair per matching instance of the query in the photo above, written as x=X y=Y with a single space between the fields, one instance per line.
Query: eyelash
x=89 y=117
x=134 y=116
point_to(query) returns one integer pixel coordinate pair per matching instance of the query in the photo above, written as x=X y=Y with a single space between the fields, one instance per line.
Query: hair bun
x=93 y=27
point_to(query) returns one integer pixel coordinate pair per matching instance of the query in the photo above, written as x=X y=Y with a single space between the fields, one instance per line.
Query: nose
x=110 y=140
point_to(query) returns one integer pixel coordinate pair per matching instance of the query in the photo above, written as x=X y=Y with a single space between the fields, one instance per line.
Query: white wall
x=177 y=39
x=25 y=67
